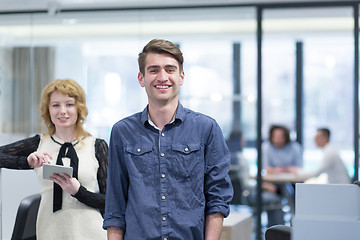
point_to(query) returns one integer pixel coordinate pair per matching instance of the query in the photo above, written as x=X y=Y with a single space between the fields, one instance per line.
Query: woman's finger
x=45 y=153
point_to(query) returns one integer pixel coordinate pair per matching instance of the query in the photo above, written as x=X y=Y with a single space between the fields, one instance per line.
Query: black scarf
x=74 y=162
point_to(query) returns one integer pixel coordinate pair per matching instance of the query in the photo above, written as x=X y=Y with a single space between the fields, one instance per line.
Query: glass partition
x=99 y=50
x=328 y=80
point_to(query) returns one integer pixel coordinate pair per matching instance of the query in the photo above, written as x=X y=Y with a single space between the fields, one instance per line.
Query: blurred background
x=304 y=56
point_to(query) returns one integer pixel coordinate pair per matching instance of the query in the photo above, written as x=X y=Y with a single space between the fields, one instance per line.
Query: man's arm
x=218 y=188
x=213 y=226
x=115 y=233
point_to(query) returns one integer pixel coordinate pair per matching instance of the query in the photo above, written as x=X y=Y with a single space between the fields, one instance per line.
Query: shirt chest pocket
x=187 y=160
x=141 y=159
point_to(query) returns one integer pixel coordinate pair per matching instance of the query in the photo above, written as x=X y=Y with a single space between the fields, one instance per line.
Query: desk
x=327 y=211
x=284 y=181
x=279 y=178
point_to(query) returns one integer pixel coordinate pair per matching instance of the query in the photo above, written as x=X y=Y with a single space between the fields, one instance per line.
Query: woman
x=69 y=207
x=280 y=154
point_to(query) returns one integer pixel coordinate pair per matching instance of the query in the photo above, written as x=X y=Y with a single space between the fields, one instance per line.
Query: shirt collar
x=180 y=114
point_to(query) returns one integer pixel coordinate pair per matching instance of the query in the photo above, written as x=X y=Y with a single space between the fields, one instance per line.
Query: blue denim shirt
x=162 y=184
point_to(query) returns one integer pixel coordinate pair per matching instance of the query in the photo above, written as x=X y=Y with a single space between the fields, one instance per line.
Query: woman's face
x=278 y=138
x=63 y=111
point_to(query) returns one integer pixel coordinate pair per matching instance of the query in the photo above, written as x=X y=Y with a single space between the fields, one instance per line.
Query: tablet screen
x=49 y=169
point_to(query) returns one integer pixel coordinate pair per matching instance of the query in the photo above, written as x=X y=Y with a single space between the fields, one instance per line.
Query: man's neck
x=162 y=115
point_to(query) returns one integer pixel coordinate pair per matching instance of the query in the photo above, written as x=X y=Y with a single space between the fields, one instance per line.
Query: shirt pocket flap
x=138 y=150
x=186 y=148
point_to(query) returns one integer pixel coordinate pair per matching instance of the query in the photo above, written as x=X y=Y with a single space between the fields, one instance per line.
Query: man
x=168 y=166
x=331 y=164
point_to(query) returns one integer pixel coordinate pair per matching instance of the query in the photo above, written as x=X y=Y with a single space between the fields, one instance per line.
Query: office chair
x=278 y=232
x=25 y=222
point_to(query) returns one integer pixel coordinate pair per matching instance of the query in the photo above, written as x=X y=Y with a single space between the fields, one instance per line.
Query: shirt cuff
x=113 y=222
x=224 y=210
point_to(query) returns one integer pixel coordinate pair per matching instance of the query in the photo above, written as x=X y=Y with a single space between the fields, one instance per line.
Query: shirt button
x=163 y=134
x=186 y=149
x=163 y=175
x=163 y=218
x=138 y=150
x=162 y=154
x=163 y=197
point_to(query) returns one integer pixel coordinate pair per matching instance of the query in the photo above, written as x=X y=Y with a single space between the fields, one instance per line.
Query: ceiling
x=58 y=5
x=197 y=21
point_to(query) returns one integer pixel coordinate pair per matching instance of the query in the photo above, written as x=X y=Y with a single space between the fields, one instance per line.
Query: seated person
x=245 y=189
x=331 y=164
x=279 y=153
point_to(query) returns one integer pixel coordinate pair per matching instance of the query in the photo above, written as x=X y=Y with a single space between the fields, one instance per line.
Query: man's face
x=320 y=139
x=162 y=78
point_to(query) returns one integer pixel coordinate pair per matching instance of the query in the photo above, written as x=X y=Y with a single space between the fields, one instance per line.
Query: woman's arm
x=97 y=200
x=14 y=155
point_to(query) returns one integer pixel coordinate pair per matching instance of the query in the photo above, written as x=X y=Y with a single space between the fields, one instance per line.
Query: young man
x=168 y=166
x=331 y=164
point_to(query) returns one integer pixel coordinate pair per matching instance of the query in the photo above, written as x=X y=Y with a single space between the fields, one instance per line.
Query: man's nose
x=162 y=76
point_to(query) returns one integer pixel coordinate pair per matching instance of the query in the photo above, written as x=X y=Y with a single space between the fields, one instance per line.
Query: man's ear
x=141 y=79
x=182 y=76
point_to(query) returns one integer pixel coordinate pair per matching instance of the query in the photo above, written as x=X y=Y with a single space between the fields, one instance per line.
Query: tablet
x=49 y=169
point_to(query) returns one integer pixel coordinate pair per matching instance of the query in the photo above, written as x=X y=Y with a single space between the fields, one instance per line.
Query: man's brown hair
x=160 y=46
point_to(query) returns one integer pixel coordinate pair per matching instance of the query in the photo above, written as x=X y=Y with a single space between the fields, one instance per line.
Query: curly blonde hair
x=72 y=89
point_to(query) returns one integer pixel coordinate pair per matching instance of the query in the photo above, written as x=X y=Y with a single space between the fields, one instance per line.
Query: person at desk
x=279 y=153
x=331 y=164
x=69 y=208
x=244 y=188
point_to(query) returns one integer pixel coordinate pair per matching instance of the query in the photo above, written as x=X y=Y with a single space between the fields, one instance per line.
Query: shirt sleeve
x=326 y=162
x=97 y=200
x=218 y=188
x=117 y=183
x=14 y=155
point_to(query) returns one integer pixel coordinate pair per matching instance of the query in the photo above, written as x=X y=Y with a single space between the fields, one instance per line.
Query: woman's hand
x=67 y=183
x=37 y=159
